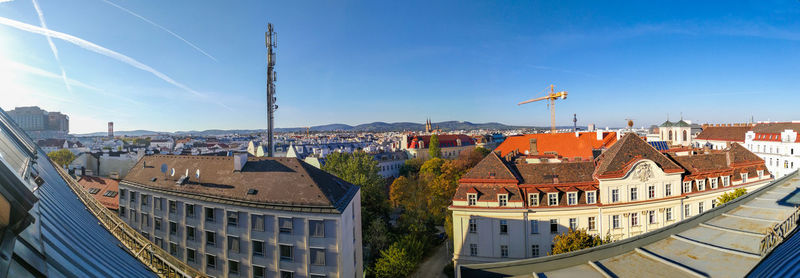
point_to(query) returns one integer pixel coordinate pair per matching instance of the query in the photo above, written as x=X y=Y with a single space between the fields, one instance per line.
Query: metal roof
x=726 y=241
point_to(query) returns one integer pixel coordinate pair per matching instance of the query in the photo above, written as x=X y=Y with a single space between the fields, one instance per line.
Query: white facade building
x=777 y=144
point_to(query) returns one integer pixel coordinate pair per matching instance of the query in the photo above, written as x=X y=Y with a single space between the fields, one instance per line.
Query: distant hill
x=369 y=127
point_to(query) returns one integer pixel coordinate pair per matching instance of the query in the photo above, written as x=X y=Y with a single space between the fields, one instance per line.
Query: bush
x=394 y=262
x=575 y=240
x=730 y=196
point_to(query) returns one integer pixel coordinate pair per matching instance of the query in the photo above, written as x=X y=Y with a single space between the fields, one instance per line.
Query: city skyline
x=164 y=66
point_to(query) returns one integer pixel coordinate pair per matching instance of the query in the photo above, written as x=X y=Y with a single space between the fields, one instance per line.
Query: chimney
x=599 y=135
x=239 y=160
x=458 y=142
x=534 y=147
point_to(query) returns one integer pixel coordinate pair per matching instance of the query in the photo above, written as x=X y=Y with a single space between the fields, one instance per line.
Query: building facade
x=776 y=143
x=677 y=133
x=451 y=145
x=246 y=217
x=721 y=136
x=512 y=207
x=40 y=123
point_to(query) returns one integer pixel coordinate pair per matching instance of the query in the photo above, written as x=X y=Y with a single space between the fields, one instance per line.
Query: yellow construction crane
x=552 y=97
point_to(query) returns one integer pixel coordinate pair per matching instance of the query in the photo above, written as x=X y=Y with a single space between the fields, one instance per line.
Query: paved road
x=432 y=267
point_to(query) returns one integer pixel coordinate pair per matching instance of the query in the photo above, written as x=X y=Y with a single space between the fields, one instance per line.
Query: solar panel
x=659 y=145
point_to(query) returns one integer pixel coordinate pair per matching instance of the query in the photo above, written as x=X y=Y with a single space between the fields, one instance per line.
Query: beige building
x=451 y=144
x=677 y=133
x=246 y=217
x=511 y=207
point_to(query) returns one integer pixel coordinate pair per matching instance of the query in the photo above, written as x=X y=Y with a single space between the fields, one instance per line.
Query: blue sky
x=193 y=65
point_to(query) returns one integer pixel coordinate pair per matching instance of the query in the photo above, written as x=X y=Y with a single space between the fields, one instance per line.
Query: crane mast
x=552 y=96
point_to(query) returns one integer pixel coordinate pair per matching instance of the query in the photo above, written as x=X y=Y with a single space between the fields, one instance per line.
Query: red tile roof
x=445 y=140
x=615 y=162
x=564 y=144
x=724 y=133
x=102 y=186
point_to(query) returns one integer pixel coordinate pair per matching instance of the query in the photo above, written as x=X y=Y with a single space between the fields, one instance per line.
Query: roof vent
x=182 y=180
x=153 y=179
x=252 y=191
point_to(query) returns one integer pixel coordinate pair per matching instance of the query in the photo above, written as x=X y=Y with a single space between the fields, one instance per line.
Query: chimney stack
x=534 y=148
x=239 y=160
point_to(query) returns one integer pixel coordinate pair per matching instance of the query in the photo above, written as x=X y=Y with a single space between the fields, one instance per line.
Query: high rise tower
x=110 y=129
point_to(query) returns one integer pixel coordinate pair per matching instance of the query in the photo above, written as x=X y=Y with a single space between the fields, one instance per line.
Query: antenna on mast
x=271 y=42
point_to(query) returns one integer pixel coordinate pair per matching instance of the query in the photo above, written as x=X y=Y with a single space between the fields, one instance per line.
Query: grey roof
x=666 y=124
x=682 y=123
x=724 y=241
x=64 y=240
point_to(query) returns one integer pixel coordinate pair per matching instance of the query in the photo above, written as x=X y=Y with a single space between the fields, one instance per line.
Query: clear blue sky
x=357 y=62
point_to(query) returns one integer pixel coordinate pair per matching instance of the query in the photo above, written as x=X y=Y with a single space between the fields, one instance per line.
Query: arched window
x=684 y=136
x=670 y=135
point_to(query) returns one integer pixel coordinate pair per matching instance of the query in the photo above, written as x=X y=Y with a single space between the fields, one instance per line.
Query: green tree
x=432 y=167
x=433 y=147
x=394 y=262
x=411 y=167
x=62 y=157
x=730 y=196
x=575 y=240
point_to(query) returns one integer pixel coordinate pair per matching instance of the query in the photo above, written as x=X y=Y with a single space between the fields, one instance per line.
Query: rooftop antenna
x=575 y=122
x=272 y=42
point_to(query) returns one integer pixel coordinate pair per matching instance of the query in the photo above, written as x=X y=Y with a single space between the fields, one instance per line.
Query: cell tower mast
x=272 y=42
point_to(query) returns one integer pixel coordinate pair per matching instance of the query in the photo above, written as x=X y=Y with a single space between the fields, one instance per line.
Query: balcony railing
x=158 y=260
x=776 y=234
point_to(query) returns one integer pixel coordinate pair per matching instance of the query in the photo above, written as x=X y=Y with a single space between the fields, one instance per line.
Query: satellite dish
x=164 y=168
x=172 y=172
x=197 y=173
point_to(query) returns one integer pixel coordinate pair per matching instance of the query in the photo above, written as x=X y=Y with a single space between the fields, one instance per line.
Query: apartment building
x=776 y=143
x=236 y=216
x=512 y=207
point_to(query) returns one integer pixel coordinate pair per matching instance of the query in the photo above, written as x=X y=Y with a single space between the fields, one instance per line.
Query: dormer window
x=726 y=181
x=572 y=198
x=502 y=200
x=591 y=197
x=713 y=183
x=687 y=187
x=533 y=199
x=760 y=173
x=701 y=185
x=744 y=177
x=552 y=199
x=472 y=199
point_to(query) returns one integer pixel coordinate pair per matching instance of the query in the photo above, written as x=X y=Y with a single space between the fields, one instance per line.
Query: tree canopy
x=62 y=157
x=575 y=240
x=730 y=196
x=433 y=147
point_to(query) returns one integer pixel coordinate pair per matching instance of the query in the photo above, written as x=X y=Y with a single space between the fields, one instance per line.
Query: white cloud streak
x=52 y=45
x=97 y=49
x=44 y=73
x=162 y=28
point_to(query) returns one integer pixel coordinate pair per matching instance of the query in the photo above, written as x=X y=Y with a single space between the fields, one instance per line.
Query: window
x=211 y=238
x=122 y=193
x=668 y=190
x=700 y=207
x=258 y=248
x=552 y=199
x=553 y=226
x=121 y=211
x=572 y=198
x=110 y=193
x=173 y=206
x=634 y=194
x=652 y=216
x=634 y=219
x=159 y=242
x=726 y=181
x=233 y=218
x=687 y=186
x=173 y=249
x=713 y=183
x=592 y=223
x=191 y=255
x=259 y=272
x=760 y=173
x=316 y=228
x=133 y=215
x=713 y=203
x=94 y=190
x=615 y=221
x=144 y=199
x=668 y=212
x=472 y=199
x=233 y=267
x=614 y=195
x=473 y=249
x=535 y=250
x=145 y=219
x=744 y=177
x=534 y=226
x=651 y=192
x=286 y=252
x=785 y=165
x=257 y=222
x=190 y=233
x=473 y=226
x=210 y=215
x=285 y=225
x=504 y=251
x=233 y=244
x=157 y=223
x=687 y=210
x=591 y=197
x=189 y=211
x=503 y=227
x=211 y=261
x=573 y=223
x=133 y=196
x=502 y=200
x=173 y=228
x=287 y=274
x=317 y=256
x=701 y=185
x=157 y=203
x=533 y=199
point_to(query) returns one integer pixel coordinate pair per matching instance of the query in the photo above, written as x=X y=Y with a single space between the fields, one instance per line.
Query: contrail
x=52 y=45
x=95 y=48
x=162 y=28
x=44 y=73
